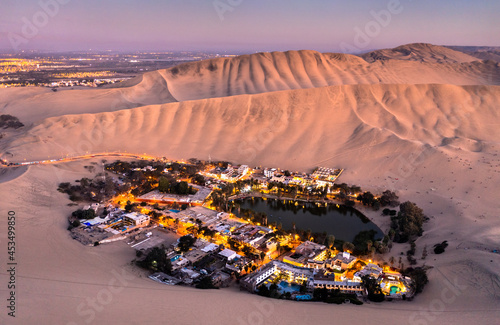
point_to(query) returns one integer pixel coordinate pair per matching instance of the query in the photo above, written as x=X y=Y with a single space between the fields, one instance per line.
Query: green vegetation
x=347 y=246
x=271 y=292
x=198 y=179
x=185 y=243
x=363 y=242
x=143 y=176
x=368 y=199
x=411 y=252
x=418 y=276
x=182 y=188
x=439 y=248
x=84 y=214
x=157 y=260
x=374 y=292
x=345 y=189
x=389 y=212
x=407 y=225
x=389 y=198
x=334 y=296
x=95 y=190
x=206 y=283
x=73 y=224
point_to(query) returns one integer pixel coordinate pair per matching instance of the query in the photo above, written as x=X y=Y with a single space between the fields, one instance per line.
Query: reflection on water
x=342 y=222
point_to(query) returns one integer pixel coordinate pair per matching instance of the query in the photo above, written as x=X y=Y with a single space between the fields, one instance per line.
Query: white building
x=210 y=248
x=227 y=173
x=253 y=280
x=269 y=172
x=93 y=206
x=243 y=170
x=136 y=219
x=229 y=254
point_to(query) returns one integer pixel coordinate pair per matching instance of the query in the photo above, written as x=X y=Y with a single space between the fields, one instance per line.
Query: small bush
x=439 y=248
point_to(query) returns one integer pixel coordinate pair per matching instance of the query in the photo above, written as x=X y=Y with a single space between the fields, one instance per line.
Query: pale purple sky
x=245 y=25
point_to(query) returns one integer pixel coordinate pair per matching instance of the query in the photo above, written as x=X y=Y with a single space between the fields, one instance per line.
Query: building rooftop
x=202 y=193
x=228 y=253
x=344 y=257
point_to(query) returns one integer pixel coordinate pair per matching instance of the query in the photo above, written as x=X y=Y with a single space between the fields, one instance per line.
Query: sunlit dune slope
x=266 y=72
x=253 y=74
x=32 y=104
x=298 y=128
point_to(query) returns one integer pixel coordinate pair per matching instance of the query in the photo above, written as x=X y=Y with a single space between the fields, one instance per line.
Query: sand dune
x=32 y=104
x=425 y=124
x=378 y=133
x=421 y=52
x=325 y=120
x=58 y=277
x=265 y=72
x=374 y=131
x=252 y=74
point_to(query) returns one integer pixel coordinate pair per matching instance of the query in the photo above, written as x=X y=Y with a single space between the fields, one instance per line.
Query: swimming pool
x=394 y=290
x=288 y=287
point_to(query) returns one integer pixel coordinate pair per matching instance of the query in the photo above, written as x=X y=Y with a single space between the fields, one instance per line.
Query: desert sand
x=426 y=128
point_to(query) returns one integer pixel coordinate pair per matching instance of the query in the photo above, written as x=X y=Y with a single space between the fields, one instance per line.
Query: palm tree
x=369 y=245
x=330 y=241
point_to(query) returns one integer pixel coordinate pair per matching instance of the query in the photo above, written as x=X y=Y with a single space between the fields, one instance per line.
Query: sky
x=245 y=25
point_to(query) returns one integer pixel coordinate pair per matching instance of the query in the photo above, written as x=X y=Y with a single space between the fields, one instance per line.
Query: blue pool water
x=287 y=287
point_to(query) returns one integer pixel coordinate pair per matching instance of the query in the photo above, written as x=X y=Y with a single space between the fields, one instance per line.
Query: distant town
x=184 y=222
x=86 y=69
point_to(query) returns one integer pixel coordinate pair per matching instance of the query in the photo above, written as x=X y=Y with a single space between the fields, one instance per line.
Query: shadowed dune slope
x=422 y=52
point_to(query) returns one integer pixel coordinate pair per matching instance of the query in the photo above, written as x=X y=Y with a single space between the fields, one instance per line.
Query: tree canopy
x=157 y=260
x=408 y=222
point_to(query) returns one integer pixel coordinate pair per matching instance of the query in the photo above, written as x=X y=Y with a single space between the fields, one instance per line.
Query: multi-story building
x=243 y=170
x=136 y=219
x=269 y=172
x=253 y=280
x=342 y=261
x=331 y=282
x=307 y=252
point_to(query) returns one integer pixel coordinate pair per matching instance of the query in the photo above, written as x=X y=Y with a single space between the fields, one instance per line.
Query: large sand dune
x=421 y=52
x=270 y=127
x=265 y=72
x=256 y=73
x=373 y=131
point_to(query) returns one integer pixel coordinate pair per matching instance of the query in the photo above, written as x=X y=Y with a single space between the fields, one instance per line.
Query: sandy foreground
x=59 y=279
x=428 y=130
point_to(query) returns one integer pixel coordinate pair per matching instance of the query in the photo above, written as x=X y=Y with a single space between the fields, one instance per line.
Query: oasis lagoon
x=338 y=220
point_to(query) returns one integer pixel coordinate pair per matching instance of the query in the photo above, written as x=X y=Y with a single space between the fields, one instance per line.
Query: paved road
x=7 y=164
